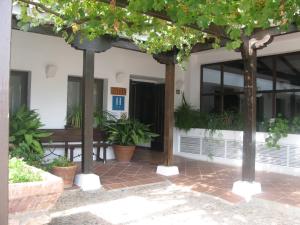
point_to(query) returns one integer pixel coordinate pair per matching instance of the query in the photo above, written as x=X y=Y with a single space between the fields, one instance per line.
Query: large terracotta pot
x=66 y=173
x=123 y=153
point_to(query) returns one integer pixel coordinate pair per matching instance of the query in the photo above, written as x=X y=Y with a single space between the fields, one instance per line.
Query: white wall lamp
x=50 y=70
x=120 y=77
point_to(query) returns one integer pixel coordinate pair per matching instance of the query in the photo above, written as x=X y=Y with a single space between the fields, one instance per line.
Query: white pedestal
x=246 y=189
x=88 y=182
x=167 y=170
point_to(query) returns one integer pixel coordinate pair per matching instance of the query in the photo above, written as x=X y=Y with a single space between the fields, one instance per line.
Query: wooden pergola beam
x=5 y=39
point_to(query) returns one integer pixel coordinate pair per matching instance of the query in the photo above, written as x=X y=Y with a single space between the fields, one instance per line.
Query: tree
x=160 y=25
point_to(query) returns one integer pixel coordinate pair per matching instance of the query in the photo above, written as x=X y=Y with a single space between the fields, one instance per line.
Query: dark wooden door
x=146 y=104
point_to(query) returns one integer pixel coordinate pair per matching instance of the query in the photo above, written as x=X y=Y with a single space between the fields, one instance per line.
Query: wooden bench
x=70 y=138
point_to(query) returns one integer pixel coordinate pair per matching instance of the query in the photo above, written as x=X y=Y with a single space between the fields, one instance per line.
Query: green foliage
x=295 y=125
x=20 y=172
x=60 y=162
x=127 y=132
x=103 y=118
x=74 y=118
x=278 y=128
x=25 y=135
x=186 y=118
x=227 y=20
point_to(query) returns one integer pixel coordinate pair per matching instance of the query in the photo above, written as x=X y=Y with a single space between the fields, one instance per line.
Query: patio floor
x=210 y=178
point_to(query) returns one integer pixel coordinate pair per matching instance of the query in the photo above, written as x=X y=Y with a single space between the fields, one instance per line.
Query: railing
x=226 y=147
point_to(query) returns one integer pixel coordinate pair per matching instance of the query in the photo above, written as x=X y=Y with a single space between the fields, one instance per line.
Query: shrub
x=25 y=134
x=20 y=172
x=61 y=162
x=277 y=128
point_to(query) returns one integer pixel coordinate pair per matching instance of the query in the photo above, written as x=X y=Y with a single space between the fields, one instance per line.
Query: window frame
x=97 y=81
x=274 y=90
x=27 y=86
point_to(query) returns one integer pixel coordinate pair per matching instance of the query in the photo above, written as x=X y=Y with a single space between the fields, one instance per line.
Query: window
x=277 y=82
x=18 y=90
x=75 y=93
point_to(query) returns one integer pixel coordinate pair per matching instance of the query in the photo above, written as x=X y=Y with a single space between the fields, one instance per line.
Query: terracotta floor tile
x=214 y=179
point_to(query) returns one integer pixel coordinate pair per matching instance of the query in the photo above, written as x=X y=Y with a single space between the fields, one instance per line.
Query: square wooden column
x=249 y=142
x=169 y=113
x=5 y=39
x=87 y=111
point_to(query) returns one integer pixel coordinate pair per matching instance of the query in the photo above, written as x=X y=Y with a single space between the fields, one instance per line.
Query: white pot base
x=246 y=189
x=167 y=170
x=88 y=182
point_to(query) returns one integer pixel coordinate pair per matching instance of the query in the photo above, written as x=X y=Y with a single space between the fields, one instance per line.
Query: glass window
x=288 y=71
x=18 y=90
x=264 y=75
x=211 y=103
x=288 y=104
x=75 y=94
x=211 y=79
x=233 y=76
x=277 y=82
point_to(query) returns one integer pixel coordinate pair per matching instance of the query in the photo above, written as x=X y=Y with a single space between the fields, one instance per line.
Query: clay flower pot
x=123 y=153
x=66 y=173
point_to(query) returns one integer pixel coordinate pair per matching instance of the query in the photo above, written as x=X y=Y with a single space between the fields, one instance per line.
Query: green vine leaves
x=187 y=22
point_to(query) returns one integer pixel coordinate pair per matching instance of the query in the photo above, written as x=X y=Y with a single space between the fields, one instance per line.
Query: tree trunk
x=249 y=60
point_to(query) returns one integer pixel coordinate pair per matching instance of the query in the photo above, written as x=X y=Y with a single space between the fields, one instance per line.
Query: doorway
x=146 y=104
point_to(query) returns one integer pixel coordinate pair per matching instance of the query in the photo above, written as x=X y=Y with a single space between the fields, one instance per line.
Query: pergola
x=251 y=44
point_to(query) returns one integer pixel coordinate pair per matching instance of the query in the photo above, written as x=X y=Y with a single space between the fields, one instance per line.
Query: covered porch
x=200 y=176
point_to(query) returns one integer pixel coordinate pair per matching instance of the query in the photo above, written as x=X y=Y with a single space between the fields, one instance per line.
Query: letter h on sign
x=118 y=103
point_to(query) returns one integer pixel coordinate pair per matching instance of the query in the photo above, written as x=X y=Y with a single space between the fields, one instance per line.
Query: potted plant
x=64 y=168
x=125 y=134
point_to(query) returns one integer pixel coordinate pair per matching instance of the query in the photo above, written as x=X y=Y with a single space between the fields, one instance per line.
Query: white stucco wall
x=32 y=52
x=281 y=44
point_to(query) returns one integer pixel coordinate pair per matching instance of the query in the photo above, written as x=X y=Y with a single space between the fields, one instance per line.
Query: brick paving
x=210 y=178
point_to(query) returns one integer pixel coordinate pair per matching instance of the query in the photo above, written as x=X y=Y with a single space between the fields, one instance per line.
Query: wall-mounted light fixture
x=179 y=84
x=120 y=77
x=50 y=70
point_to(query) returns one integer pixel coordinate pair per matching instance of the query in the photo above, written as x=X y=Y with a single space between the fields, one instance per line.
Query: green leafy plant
x=127 y=132
x=74 y=118
x=278 y=128
x=60 y=162
x=295 y=125
x=103 y=118
x=20 y=172
x=25 y=135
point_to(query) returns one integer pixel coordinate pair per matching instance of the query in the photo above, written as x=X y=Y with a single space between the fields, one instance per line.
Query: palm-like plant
x=25 y=135
x=127 y=132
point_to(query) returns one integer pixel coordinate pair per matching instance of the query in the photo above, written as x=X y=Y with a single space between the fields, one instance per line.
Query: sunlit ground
x=164 y=204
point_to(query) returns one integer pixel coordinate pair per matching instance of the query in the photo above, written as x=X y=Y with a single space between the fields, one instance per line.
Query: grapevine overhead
x=189 y=21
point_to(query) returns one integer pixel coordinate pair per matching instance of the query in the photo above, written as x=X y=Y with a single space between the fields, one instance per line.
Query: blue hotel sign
x=118 y=103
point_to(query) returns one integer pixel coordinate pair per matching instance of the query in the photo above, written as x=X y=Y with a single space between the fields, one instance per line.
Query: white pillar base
x=88 y=182
x=246 y=189
x=167 y=170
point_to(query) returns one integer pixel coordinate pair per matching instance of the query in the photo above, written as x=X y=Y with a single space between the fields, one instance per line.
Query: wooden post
x=249 y=59
x=5 y=38
x=87 y=110
x=169 y=113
